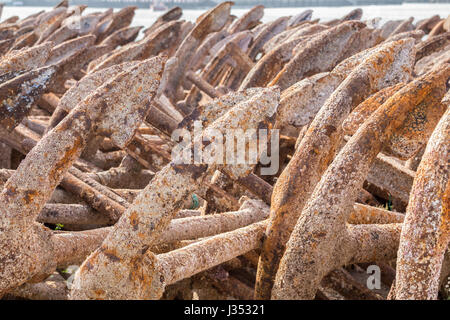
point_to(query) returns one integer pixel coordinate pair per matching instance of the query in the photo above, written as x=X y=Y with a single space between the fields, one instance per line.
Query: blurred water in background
x=145 y=17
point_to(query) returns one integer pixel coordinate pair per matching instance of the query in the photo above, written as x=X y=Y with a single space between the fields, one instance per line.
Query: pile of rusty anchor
x=95 y=203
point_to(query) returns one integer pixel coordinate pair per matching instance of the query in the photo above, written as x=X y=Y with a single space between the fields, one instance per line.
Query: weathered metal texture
x=103 y=160
x=426 y=231
x=437 y=29
x=414 y=133
x=104 y=23
x=26 y=40
x=391 y=181
x=6 y=33
x=19 y=94
x=63 y=52
x=25 y=59
x=300 y=102
x=427 y=63
x=62 y=4
x=173 y=14
x=320 y=242
x=121 y=123
x=248 y=20
x=123 y=178
x=240 y=65
x=153 y=44
x=202 y=54
x=10 y=20
x=388 y=27
x=355 y=14
x=446 y=25
x=46 y=290
x=197 y=227
x=49 y=22
x=257 y=186
x=212 y=73
x=431 y=45
x=406 y=25
x=5 y=156
x=363 y=111
x=120 y=19
x=161 y=120
x=23 y=30
x=89 y=83
x=230 y=285
x=212 y=21
x=416 y=34
x=144 y=221
x=363 y=214
x=163 y=103
x=271 y=30
x=270 y=64
x=413 y=162
x=223 y=194
x=56 y=118
x=75 y=247
x=79 y=69
x=71 y=214
x=14 y=138
x=427 y=25
x=321 y=53
x=185 y=262
x=68 y=58
x=283 y=37
x=73 y=26
x=71 y=248
x=5 y=45
x=147 y=154
x=78 y=9
x=344 y=283
x=241 y=39
x=28 y=21
x=35 y=124
x=386 y=65
x=110 y=206
x=417 y=129
x=218 y=197
x=26 y=192
x=364 y=39
x=203 y=85
x=121 y=37
x=262 y=108
x=210 y=111
x=299 y=18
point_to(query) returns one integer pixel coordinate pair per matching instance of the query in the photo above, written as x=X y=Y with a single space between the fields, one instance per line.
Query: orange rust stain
x=141 y=235
x=69 y=155
x=30 y=195
x=99 y=293
x=134 y=220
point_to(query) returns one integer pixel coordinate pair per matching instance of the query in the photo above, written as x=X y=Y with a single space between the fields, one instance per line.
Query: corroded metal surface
x=319 y=145
x=96 y=114
x=426 y=230
x=53 y=156
x=314 y=57
x=319 y=243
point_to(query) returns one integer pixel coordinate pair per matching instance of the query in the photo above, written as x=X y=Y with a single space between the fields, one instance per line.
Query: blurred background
x=326 y=10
